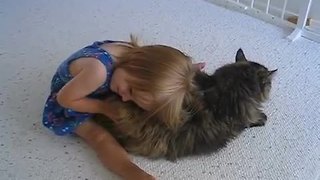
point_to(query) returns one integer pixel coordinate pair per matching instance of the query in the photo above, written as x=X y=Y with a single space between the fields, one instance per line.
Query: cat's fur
x=230 y=101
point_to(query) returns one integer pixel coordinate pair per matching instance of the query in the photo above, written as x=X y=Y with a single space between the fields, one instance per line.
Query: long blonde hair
x=163 y=71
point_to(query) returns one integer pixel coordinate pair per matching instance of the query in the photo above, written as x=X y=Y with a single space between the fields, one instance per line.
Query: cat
x=230 y=100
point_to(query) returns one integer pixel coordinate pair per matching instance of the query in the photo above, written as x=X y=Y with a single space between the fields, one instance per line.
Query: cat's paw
x=263 y=117
x=261 y=121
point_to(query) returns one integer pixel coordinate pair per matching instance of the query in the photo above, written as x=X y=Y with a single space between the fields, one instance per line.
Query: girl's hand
x=110 y=110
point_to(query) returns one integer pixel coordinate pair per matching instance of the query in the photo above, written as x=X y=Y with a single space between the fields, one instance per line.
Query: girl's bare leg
x=110 y=152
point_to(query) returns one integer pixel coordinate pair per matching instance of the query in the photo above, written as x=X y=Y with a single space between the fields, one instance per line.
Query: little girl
x=157 y=78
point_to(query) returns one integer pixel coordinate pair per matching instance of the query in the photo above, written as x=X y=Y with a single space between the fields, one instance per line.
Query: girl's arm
x=88 y=75
x=112 y=155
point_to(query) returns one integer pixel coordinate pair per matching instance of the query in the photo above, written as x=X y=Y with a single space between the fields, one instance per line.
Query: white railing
x=301 y=28
x=277 y=15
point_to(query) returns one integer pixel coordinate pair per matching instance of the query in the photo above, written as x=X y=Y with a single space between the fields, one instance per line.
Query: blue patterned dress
x=62 y=120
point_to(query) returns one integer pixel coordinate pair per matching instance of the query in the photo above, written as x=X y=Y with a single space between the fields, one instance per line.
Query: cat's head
x=262 y=73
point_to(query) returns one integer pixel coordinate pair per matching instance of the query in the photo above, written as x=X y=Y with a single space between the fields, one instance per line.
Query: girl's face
x=120 y=85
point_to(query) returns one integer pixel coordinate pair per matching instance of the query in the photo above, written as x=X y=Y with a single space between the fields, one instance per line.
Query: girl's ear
x=199 y=66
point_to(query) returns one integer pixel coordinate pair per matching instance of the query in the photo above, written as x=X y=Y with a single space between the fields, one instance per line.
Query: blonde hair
x=163 y=71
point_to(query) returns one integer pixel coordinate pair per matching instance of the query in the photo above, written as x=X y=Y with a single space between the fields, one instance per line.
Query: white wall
x=315 y=10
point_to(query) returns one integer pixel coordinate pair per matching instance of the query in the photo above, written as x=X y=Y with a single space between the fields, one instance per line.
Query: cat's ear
x=240 y=56
x=272 y=73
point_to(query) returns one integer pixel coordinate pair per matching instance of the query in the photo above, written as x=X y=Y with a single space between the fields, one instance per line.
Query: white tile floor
x=35 y=36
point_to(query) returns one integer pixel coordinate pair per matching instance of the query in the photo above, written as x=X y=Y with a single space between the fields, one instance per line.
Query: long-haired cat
x=228 y=101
